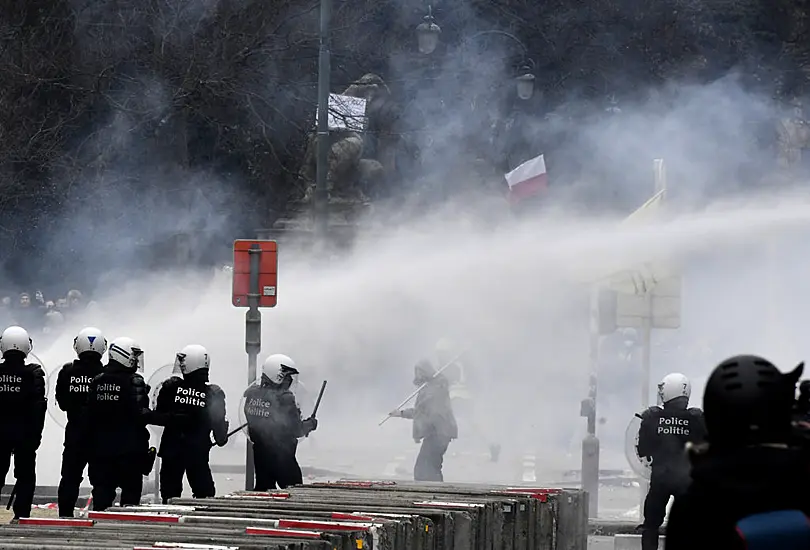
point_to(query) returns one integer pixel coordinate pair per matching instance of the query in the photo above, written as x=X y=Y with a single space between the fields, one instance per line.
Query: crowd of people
x=738 y=468
x=108 y=411
x=38 y=314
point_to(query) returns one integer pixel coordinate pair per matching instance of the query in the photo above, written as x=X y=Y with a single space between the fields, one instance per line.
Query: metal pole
x=646 y=348
x=646 y=342
x=158 y=500
x=660 y=182
x=590 y=444
x=253 y=342
x=323 y=143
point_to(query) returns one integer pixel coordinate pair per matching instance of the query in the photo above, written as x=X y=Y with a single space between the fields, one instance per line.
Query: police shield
x=242 y=403
x=640 y=466
x=56 y=414
x=297 y=388
x=156 y=382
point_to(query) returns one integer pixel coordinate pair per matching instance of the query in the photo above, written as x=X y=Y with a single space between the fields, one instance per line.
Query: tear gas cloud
x=516 y=293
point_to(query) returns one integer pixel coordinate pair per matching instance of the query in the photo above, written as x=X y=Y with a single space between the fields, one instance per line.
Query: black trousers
x=74 y=460
x=655 y=506
x=275 y=464
x=430 y=460
x=110 y=473
x=195 y=466
x=25 y=474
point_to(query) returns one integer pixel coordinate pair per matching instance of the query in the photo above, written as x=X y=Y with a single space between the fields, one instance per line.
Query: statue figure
x=358 y=162
x=793 y=136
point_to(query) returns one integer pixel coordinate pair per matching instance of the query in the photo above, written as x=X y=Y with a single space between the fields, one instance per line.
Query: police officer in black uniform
x=118 y=413
x=72 y=393
x=749 y=465
x=275 y=424
x=664 y=432
x=191 y=409
x=23 y=404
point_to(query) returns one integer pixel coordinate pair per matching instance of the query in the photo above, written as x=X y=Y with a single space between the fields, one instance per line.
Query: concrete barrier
x=338 y=515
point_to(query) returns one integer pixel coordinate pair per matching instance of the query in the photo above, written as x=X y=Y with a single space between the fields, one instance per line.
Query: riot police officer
x=72 y=393
x=750 y=481
x=23 y=404
x=118 y=412
x=663 y=435
x=191 y=409
x=275 y=424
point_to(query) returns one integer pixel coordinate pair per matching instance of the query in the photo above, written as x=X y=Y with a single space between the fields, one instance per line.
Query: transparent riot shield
x=57 y=415
x=640 y=466
x=155 y=382
x=297 y=389
x=241 y=411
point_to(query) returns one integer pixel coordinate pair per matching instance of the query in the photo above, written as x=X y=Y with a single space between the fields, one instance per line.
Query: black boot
x=649 y=539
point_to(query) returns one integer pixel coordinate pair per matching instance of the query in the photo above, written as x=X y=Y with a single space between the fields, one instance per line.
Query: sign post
x=255 y=278
x=645 y=298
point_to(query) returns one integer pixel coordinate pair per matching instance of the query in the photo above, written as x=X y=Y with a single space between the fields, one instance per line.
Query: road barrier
x=345 y=515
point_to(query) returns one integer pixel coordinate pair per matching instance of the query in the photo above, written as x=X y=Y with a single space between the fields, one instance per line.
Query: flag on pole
x=528 y=179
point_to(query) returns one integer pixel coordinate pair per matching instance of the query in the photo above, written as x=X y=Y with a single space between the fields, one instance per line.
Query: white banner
x=346 y=113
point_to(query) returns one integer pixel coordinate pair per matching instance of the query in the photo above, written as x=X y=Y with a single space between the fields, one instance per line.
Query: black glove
x=149 y=461
x=222 y=437
x=310 y=425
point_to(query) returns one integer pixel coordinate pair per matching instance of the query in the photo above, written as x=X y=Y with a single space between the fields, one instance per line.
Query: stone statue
x=793 y=137
x=358 y=162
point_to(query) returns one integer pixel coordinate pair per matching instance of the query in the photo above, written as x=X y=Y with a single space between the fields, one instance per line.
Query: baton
x=229 y=434
x=414 y=394
x=11 y=497
x=318 y=402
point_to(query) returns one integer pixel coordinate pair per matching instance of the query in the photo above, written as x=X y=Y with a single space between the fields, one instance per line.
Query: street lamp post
x=321 y=195
x=525 y=83
x=428 y=33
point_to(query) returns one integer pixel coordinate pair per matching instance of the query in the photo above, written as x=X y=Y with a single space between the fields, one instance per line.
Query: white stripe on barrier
x=439 y=504
x=160 y=508
x=386 y=515
x=287 y=533
x=324 y=525
x=229 y=519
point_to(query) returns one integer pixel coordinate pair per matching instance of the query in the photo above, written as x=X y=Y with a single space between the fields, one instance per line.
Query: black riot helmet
x=748 y=401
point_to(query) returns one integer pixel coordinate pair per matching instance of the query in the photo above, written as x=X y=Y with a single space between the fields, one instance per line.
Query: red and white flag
x=528 y=179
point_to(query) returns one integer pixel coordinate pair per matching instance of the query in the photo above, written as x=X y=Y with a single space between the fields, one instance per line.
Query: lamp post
x=525 y=83
x=321 y=195
x=428 y=33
